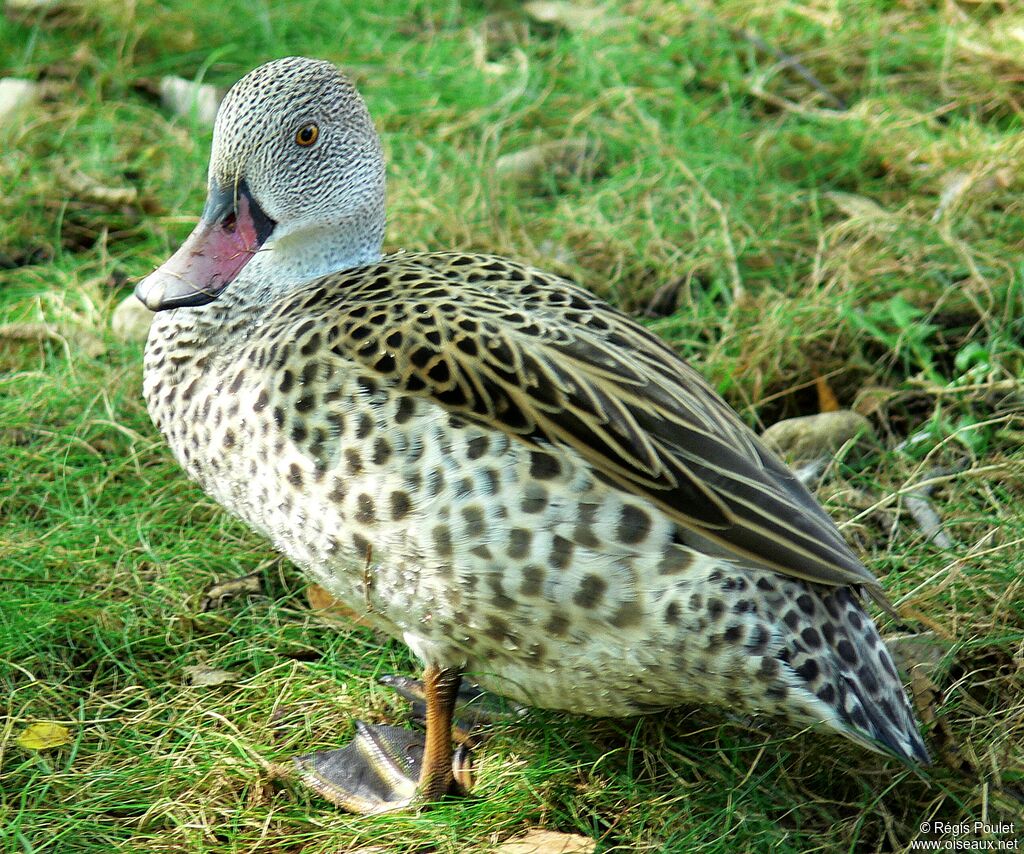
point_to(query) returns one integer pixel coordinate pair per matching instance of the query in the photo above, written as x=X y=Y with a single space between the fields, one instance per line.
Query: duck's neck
x=292 y=260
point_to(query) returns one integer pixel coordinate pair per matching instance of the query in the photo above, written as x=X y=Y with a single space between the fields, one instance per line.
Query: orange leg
x=440 y=686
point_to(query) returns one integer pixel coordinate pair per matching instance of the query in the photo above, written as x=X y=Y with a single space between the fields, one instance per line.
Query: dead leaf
x=14 y=8
x=181 y=96
x=28 y=332
x=827 y=401
x=43 y=736
x=15 y=96
x=205 y=677
x=872 y=400
x=559 y=159
x=859 y=207
x=954 y=185
x=572 y=16
x=217 y=595
x=919 y=652
x=665 y=300
x=332 y=610
x=88 y=189
x=83 y=341
x=539 y=841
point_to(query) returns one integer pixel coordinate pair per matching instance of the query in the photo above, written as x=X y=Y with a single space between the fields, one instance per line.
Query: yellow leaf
x=43 y=736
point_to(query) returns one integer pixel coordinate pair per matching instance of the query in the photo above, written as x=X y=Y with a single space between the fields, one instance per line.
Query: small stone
x=131 y=320
x=181 y=96
x=15 y=96
x=813 y=436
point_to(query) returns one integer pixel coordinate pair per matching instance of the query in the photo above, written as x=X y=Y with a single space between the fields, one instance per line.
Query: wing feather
x=532 y=355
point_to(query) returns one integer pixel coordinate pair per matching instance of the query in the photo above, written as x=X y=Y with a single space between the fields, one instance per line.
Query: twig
x=920 y=508
x=787 y=60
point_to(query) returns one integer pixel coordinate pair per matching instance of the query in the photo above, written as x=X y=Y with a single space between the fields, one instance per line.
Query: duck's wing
x=534 y=356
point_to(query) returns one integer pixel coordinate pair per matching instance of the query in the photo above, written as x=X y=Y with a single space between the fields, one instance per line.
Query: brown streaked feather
x=534 y=356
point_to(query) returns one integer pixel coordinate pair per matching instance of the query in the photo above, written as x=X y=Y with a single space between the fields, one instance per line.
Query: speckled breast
x=472 y=546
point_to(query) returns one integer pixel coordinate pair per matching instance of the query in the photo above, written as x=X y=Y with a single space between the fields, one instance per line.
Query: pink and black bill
x=230 y=232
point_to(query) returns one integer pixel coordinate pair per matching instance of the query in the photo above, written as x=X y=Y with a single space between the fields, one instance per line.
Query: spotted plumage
x=490 y=462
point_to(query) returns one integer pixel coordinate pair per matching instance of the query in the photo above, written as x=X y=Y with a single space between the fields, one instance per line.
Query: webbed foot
x=380 y=771
x=386 y=768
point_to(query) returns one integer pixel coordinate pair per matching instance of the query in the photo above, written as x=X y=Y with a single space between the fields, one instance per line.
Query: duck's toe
x=380 y=770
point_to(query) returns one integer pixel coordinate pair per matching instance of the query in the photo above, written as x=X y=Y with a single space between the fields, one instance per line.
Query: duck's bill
x=229 y=234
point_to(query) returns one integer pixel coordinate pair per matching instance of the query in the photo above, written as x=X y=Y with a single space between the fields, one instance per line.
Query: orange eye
x=307 y=135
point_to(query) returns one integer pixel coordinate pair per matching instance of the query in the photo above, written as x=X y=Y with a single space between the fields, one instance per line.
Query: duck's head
x=296 y=189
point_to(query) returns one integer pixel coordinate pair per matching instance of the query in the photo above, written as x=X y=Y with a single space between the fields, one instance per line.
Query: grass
x=866 y=229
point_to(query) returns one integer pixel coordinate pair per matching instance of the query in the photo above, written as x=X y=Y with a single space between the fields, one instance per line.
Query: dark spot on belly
x=338 y=492
x=809 y=670
x=497 y=629
x=353 y=461
x=442 y=540
x=535 y=499
x=476 y=447
x=634 y=525
x=758 y=640
x=404 y=410
x=381 y=451
x=628 y=614
x=591 y=591
x=561 y=552
x=544 y=466
x=846 y=651
x=519 y=540
x=811 y=637
x=533 y=580
x=400 y=505
x=733 y=633
x=364 y=426
x=474 y=516
x=366 y=513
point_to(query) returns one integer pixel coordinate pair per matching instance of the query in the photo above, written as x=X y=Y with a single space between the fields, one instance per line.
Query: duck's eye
x=307 y=135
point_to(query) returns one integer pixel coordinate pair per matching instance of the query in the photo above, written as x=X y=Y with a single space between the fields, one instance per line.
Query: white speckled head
x=296 y=190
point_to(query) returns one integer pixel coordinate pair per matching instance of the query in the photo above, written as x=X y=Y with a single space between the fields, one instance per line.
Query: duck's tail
x=844 y=676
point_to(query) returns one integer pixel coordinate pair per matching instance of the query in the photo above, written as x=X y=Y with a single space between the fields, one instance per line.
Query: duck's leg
x=385 y=768
x=474 y=707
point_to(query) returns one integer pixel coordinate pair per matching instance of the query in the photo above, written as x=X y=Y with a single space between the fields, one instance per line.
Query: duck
x=489 y=463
